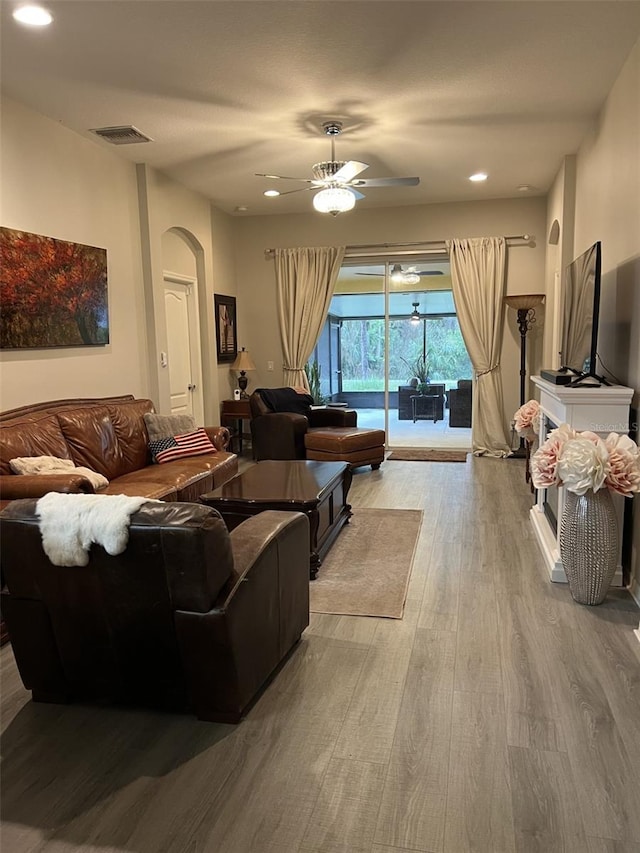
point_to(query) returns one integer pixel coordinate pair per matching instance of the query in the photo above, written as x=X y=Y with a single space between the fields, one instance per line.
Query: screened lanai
x=391 y=348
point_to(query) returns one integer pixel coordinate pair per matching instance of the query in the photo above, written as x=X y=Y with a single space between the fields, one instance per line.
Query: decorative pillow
x=194 y=443
x=53 y=465
x=165 y=426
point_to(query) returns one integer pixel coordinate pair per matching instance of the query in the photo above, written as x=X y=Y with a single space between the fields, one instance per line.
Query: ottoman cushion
x=343 y=440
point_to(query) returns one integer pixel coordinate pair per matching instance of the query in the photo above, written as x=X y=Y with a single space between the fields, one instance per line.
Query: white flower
x=583 y=465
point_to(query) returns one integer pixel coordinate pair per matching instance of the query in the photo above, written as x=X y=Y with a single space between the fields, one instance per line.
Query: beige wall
x=607 y=208
x=559 y=253
x=58 y=184
x=224 y=278
x=256 y=281
x=167 y=206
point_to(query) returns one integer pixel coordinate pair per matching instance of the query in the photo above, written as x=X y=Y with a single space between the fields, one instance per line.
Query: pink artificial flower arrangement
x=527 y=420
x=584 y=461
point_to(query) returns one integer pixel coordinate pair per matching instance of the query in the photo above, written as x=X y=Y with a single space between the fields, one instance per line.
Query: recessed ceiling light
x=479 y=176
x=271 y=193
x=33 y=16
x=241 y=208
x=524 y=188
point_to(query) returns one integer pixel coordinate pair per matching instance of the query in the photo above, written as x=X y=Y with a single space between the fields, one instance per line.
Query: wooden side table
x=232 y=413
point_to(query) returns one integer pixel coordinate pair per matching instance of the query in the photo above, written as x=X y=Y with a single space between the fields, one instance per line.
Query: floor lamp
x=525 y=305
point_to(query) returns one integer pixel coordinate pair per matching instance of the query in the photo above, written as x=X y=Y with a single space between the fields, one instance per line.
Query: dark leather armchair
x=281 y=417
x=188 y=617
x=460 y=400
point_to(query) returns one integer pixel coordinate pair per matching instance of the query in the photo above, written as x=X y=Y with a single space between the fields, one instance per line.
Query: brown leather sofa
x=188 y=617
x=107 y=435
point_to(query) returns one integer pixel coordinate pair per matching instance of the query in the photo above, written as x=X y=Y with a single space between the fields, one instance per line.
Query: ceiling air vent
x=125 y=135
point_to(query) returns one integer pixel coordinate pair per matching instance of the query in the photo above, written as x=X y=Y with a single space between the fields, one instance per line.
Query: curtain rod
x=269 y=253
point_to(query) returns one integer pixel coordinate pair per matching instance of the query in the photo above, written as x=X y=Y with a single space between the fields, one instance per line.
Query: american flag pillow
x=178 y=446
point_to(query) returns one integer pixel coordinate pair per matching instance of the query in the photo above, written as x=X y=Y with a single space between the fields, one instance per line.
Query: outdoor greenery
x=418 y=370
x=314 y=374
x=435 y=340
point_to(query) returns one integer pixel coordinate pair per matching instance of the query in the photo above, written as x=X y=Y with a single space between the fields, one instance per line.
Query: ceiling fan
x=406 y=275
x=337 y=180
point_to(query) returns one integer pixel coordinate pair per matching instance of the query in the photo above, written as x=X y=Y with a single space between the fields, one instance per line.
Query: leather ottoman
x=346 y=444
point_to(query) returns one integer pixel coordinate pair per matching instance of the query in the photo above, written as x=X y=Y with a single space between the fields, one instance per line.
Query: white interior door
x=183 y=346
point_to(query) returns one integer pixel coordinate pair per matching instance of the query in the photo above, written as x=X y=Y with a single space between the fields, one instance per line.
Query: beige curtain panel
x=478 y=284
x=305 y=281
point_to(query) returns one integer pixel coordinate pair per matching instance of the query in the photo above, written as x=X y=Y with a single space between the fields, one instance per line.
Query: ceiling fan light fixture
x=271 y=193
x=415 y=314
x=397 y=276
x=334 y=200
x=410 y=278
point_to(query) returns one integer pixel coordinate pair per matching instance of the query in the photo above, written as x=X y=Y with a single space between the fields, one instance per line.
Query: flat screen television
x=580 y=309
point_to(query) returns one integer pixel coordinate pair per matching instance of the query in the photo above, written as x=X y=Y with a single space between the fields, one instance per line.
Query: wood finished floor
x=497 y=716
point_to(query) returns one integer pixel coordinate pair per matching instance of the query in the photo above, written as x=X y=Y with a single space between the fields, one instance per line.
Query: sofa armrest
x=333 y=417
x=250 y=538
x=16 y=486
x=230 y=652
x=219 y=436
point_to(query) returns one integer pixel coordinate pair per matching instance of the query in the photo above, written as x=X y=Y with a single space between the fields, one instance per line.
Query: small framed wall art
x=226 y=330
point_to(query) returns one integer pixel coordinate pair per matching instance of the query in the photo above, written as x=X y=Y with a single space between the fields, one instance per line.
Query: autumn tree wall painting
x=52 y=293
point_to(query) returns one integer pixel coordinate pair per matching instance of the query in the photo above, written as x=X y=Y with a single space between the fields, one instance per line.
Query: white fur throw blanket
x=53 y=465
x=70 y=524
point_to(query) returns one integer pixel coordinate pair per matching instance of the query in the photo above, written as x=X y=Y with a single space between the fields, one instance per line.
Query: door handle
x=191 y=387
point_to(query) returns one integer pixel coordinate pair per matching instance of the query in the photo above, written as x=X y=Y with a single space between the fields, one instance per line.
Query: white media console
x=601 y=410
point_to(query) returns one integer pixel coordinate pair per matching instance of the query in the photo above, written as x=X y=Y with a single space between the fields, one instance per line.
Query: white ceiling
x=226 y=89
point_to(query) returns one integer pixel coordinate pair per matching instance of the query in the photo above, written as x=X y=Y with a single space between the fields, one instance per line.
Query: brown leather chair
x=284 y=426
x=460 y=400
x=188 y=617
x=281 y=417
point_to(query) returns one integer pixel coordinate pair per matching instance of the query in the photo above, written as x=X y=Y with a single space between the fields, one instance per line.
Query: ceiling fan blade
x=417 y=272
x=282 y=177
x=349 y=171
x=386 y=182
x=300 y=190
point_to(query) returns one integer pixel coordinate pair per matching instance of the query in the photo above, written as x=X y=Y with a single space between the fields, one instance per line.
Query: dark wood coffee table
x=318 y=489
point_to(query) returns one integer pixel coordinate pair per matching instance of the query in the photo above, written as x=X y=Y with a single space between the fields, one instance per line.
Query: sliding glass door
x=392 y=350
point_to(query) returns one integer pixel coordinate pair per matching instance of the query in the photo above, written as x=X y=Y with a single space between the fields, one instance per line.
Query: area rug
x=367 y=569
x=428 y=455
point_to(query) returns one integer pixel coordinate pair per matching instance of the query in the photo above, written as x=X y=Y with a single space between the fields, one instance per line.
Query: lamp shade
x=334 y=200
x=524 y=301
x=243 y=361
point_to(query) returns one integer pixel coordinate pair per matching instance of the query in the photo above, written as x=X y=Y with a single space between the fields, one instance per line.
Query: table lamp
x=243 y=363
